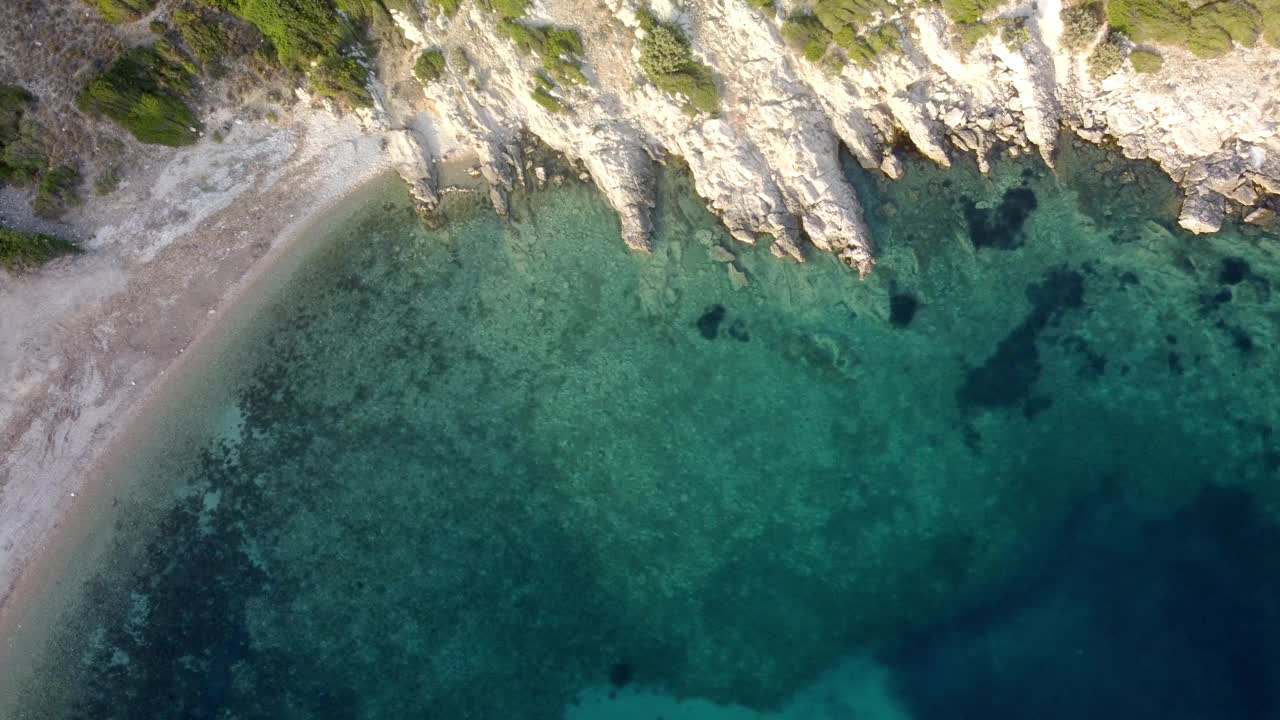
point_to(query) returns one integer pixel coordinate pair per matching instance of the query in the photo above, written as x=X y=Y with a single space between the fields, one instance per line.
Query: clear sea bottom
x=1026 y=469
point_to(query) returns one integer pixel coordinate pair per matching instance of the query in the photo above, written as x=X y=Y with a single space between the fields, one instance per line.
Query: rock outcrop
x=768 y=162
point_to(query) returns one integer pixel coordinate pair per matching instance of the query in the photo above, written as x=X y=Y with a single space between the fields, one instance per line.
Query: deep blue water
x=1025 y=470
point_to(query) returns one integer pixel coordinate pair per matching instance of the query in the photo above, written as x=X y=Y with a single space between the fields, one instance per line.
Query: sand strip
x=146 y=307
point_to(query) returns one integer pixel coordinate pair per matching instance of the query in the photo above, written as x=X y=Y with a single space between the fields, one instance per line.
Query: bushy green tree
x=667 y=60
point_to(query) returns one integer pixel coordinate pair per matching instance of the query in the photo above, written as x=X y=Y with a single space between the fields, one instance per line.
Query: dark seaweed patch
x=620 y=673
x=709 y=323
x=902 y=309
x=738 y=330
x=1234 y=270
x=1036 y=405
x=1000 y=228
x=1005 y=379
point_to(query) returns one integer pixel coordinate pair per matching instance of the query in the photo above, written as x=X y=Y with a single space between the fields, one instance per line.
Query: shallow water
x=1026 y=469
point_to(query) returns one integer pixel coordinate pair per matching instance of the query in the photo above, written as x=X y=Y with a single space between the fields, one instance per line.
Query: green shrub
x=761 y=5
x=1208 y=31
x=140 y=93
x=56 y=191
x=203 y=35
x=313 y=31
x=864 y=48
x=1215 y=27
x=448 y=7
x=546 y=100
x=664 y=50
x=1014 y=32
x=1270 y=12
x=430 y=66
x=24 y=251
x=1080 y=24
x=1106 y=58
x=559 y=48
x=21 y=157
x=968 y=11
x=667 y=60
x=967 y=35
x=836 y=15
x=122 y=11
x=1162 y=21
x=510 y=9
x=343 y=79
x=106 y=181
x=806 y=34
x=459 y=60
x=1145 y=61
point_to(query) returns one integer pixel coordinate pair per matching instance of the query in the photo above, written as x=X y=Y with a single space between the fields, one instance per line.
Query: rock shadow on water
x=1176 y=619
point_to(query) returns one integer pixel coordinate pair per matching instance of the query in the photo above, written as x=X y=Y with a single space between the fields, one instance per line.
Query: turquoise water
x=1026 y=469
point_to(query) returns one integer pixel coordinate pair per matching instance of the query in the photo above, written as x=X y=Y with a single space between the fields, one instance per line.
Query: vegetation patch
x=202 y=33
x=448 y=7
x=57 y=190
x=430 y=66
x=837 y=15
x=667 y=60
x=1080 y=24
x=312 y=36
x=1106 y=58
x=761 y=5
x=1145 y=61
x=559 y=48
x=968 y=34
x=122 y=11
x=969 y=11
x=510 y=9
x=21 y=158
x=1014 y=32
x=806 y=34
x=864 y=47
x=547 y=100
x=141 y=93
x=1209 y=31
x=23 y=251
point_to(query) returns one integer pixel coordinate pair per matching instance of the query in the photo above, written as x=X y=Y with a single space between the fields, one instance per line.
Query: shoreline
x=62 y=464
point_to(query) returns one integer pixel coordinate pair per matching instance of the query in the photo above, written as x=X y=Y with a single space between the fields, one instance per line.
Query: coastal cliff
x=767 y=162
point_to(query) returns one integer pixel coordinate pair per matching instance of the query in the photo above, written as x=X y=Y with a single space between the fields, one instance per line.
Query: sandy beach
x=87 y=346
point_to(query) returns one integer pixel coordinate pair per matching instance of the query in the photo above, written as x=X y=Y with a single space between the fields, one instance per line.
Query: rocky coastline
x=768 y=163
